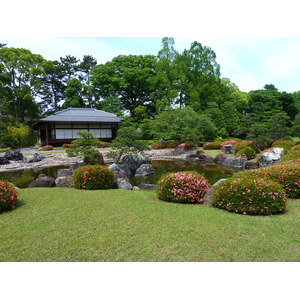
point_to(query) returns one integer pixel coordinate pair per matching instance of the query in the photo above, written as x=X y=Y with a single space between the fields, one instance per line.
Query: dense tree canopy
x=173 y=95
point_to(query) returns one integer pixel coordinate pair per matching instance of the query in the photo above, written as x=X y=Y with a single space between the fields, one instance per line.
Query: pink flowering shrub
x=182 y=187
x=187 y=146
x=287 y=174
x=253 y=196
x=94 y=177
x=8 y=196
x=227 y=143
x=158 y=145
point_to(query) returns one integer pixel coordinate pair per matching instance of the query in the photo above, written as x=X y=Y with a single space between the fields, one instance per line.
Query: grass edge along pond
x=116 y=225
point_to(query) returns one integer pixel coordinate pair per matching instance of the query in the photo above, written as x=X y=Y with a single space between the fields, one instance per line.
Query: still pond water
x=211 y=172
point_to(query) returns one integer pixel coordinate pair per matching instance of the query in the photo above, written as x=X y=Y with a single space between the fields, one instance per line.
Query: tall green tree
x=22 y=73
x=130 y=78
x=74 y=94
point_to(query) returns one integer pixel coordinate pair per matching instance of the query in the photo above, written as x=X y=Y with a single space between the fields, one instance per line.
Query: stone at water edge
x=42 y=181
x=65 y=181
x=4 y=161
x=219 y=159
x=147 y=186
x=208 y=195
x=271 y=157
x=145 y=170
x=35 y=158
x=14 y=155
x=64 y=173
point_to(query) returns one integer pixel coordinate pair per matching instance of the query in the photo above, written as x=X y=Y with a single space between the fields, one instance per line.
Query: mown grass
x=116 y=225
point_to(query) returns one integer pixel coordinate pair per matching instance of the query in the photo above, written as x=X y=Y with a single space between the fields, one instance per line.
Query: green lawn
x=116 y=225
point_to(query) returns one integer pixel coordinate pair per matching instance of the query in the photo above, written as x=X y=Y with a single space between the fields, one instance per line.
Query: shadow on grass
x=18 y=205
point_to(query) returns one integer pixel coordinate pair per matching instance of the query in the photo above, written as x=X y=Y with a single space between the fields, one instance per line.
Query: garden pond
x=212 y=172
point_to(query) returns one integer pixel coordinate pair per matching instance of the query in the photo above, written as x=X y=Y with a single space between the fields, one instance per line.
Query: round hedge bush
x=182 y=187
x=246 y=152
x=243 y=144
x=287 y=174
x=253 y=196
x=93 y=178
x=8 y=196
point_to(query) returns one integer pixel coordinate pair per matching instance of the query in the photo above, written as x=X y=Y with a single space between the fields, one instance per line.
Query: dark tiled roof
x=82 y=115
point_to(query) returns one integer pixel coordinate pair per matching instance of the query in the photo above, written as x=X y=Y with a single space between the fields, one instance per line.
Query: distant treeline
x=142 y=88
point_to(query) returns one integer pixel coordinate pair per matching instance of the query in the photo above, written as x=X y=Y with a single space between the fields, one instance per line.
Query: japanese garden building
x=63 y=126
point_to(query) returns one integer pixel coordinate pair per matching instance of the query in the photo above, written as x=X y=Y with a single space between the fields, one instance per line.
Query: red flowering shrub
x=253 y=196
x=103 y=145
x=8 y=196
x=182 y=187
x=47 y=148
x=68 y=146
x=227 y=143
x=187 y=146
x=248 y=153
x=287 y=174
x=172 y=144
x=158 y=146
x=212 y=146
x=93 y=178
x=243 y=144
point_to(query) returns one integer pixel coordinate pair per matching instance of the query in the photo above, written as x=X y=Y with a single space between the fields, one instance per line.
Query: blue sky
x=248 y=61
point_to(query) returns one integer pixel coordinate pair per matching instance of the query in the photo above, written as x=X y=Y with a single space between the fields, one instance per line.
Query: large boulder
x=204 y=157
x=65 y=181
x=123 y=183
x=208 y=195
x=147 y=186
x=238 y=162
x=130 y=164
x=4 y=161
x=271 y=157
x=14 y=155
x=42 y=181
x=251 y=165
x=179 y=150
x=64 y=172
x=219 y=159
x=35 y=158
x=145 y=170
x=121 y=179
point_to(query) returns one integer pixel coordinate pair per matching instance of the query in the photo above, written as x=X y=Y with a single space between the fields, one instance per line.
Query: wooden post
x=46 y=133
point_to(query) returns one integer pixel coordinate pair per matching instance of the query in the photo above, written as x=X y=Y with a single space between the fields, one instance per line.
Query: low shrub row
x=247 y=152
x=212 y=146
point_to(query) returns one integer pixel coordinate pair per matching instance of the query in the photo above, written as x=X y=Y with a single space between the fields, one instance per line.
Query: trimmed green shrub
x=93 y=178
x=8 y=196
x=246 y=152
x=182 y=187
x=9 y=141
x=253 y=196
x=212 y=146
x=289 y=143
x=243 y=144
